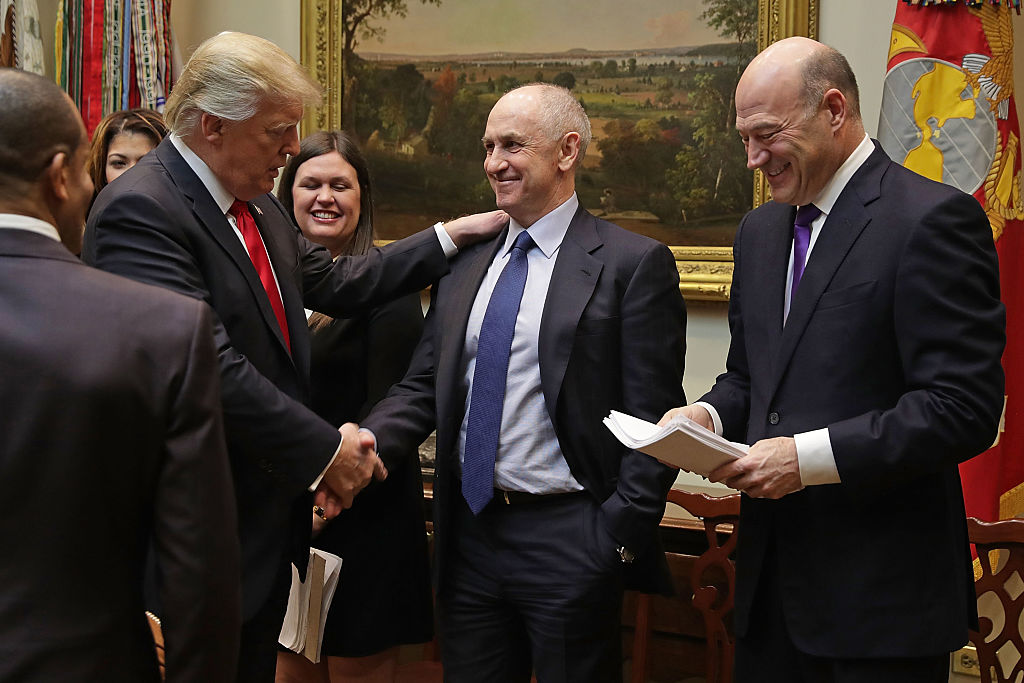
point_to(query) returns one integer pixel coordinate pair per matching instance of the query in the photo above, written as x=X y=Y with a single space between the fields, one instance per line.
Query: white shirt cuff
x=815 y=457
x=312 y=487
x=446 y=240
x=335 y=456
x=715 y=417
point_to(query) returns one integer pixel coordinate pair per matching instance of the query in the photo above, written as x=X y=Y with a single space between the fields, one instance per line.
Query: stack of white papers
x=308 y=603
x=681 y=443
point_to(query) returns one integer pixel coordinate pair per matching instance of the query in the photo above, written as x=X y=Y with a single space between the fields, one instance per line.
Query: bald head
x=810 y=68
x=37 y=121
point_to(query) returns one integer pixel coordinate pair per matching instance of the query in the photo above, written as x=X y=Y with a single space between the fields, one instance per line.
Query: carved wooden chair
x=158 y=640
x=1000 y=590
x=711 y=600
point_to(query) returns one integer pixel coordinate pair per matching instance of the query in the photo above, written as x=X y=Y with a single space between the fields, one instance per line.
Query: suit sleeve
x=351 y=285
x=135 y=236
x=950 y=333
x=731 y=393
x=406 y=416
x=195 y=524
x=392 y=334
x=652 y=357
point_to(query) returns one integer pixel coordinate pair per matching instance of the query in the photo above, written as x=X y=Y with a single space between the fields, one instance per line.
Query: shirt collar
x=835 y=186
x=17 y=221
x=549 y=230
x=222 y=197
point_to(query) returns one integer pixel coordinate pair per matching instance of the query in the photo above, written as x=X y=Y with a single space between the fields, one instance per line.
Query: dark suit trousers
x=257 y=661
x=531 y=586
x=767 y=654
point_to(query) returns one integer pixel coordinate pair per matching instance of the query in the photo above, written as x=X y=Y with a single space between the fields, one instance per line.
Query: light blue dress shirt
x=529 y=457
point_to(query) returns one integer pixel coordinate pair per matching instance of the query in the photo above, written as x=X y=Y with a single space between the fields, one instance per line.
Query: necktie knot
x=238 y=208
x=806 y=214
x=524 y=241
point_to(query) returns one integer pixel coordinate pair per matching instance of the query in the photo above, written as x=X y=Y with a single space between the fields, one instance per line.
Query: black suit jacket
x=612 y=336
x=110 y=437
x=893 y=343
x=159 y=224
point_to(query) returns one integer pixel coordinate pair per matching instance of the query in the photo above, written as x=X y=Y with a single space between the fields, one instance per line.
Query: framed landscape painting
x=413 y=80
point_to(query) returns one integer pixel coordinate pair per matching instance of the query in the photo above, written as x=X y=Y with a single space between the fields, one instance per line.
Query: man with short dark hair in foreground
x=110 y=436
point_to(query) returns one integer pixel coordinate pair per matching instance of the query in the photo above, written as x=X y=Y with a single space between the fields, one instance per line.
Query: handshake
x=356 y=464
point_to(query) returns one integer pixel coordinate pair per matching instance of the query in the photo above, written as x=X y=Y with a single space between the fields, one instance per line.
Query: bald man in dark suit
x=864 y=367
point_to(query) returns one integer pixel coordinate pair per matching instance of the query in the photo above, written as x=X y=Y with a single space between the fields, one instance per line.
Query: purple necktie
x=805 y=215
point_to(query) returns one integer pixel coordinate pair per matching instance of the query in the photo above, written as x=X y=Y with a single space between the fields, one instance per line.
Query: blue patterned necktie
x=489 y=376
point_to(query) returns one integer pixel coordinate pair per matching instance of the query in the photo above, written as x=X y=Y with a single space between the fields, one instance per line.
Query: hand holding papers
x=308 y=602
x=680 y=443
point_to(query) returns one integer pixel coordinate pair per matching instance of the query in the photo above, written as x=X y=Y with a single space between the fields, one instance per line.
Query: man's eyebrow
x=760 y=126
x=510 y=135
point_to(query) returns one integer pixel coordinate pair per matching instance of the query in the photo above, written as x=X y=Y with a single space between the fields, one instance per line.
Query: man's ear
x=212 y=128
x=836 y=104
x=56 y=176
x=568 y=151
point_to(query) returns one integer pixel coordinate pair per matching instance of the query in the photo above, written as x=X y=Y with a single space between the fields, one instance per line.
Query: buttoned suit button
x=773 y=418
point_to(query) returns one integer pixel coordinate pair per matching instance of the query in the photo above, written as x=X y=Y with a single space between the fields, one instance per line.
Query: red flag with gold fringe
x=948 y=113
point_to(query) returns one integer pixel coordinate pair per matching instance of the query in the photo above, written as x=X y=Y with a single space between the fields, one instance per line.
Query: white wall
x=860 y=30
x=196 y=20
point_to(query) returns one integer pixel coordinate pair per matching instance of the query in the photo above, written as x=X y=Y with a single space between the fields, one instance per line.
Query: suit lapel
x=572 y=284
x=464 y=284
x=216 y=223
x=843 y=226
x=290 y=296
x=770 y=255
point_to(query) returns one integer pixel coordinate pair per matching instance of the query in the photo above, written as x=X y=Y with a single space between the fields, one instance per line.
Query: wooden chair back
x=999 y=588
x=712 y=601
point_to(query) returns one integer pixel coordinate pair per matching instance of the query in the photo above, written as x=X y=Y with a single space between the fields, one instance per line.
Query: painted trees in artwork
x=665 y=158
x=360 y=21
x=709 y=176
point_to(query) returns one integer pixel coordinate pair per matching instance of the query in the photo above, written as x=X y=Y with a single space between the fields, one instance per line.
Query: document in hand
x=681 y=443
x=308 y=602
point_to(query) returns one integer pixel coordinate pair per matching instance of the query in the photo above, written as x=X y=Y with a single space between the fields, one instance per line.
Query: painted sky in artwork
x=474 y=26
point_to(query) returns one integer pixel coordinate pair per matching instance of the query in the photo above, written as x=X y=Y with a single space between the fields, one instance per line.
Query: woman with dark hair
x=383 y=598
x=120 y=140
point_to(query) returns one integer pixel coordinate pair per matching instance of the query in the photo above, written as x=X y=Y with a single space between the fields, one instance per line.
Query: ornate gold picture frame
x=705 y=272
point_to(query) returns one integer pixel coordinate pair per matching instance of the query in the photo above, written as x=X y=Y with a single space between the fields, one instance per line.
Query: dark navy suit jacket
x=893 y=343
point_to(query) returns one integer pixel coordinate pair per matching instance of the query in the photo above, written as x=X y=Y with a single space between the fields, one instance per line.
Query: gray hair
x=561 y=113
x=827 y=68
x=231 y=75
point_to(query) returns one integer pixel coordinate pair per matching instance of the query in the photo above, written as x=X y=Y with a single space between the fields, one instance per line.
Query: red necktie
x=260 y=260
